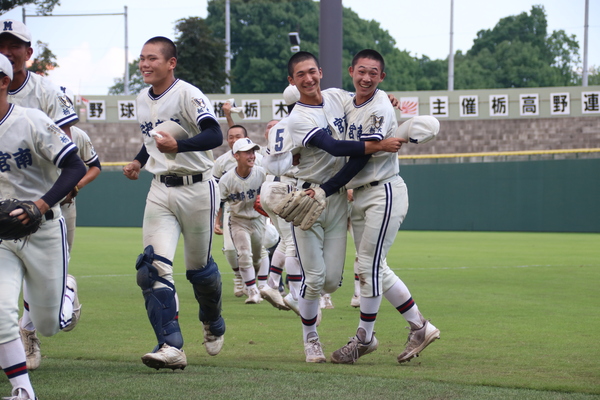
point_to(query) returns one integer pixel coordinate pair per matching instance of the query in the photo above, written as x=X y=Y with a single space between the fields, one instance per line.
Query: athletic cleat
x=212 y=343
x=313 y=349
x=355 y=302
x=72 y=284
x=325 y=301
x=166 y=357
x=418 y=339
x=253 y=296
x=238 y=286
x=355 y=349
x=274 y=297
x=291 y=303
x=19 y=394
x=31 y=344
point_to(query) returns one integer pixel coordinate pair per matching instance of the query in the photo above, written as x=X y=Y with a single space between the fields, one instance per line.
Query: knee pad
x=207 y=290
x=147 y=274
x=161 y=306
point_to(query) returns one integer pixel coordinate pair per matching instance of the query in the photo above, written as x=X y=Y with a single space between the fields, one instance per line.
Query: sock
x=263 y=272
x=12 y=360
x=294 y=275
x=369 y=306
x=249 y=277
x=309 y=310
x=399 y=296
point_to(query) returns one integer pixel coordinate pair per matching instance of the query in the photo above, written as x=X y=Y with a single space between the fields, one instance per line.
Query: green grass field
x=518 y=315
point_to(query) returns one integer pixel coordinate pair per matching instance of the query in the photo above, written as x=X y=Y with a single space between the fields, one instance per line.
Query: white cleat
x=238 y=287
x=291 y=303
x=212 y=343
x=31 y=343
x=325 y=301
x=313 y=349
x=19 y=394
x=418 y=339
x=253 y=296
x=166 y=357
x=273 y=296
x=355 y=302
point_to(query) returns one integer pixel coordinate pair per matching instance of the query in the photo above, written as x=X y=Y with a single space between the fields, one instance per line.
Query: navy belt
x=276 y=179
x=49 y=215
x=374 y=183
x=174 y=180
x=306 y=185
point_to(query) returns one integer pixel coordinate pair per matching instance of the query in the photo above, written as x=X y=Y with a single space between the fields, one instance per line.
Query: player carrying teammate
x=316 y=127
x=183 y=199
x=40 y=164
x=380 y=205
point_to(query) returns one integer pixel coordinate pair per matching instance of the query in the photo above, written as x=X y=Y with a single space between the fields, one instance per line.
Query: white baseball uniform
x=226 y=162
x=245 y=223
x=31 y=149
x=322 y=248
x=88 y=155
x=39 y=92
x=187 y=209
x=380 y=194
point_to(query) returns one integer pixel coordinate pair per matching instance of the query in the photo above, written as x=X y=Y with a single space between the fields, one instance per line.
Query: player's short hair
x=298 y=58
x=168 y=48
x=238 y=126
x=371 y=55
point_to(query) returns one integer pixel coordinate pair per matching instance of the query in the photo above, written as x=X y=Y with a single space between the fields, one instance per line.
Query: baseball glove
x=12 y=228
x=258 y=207
x=301 y=209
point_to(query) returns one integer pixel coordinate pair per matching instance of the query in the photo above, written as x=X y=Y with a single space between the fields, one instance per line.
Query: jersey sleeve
x=198 y=107
x=59 y=107
x=83 y=142
x=51 y=142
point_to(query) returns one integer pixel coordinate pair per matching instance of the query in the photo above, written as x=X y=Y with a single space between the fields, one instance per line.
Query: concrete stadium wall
x=539 y=196
x=119 y=142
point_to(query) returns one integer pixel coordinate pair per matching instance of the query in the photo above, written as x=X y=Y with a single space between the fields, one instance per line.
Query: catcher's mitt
x=258 y=207
x=301 y=209
x=12 y=228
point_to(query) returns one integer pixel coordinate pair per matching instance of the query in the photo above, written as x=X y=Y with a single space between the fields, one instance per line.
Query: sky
x=90 y=49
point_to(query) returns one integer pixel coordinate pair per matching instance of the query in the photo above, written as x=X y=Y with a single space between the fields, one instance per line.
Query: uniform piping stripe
x=163 y=93
x=380 y=239
x=309 y=136
x=91 y=160
x=22 y=86
x=366 y=102
x=402 y=308
x=211 y=185
x=63 y=153
x=10 y=109
x=66 y=120
x=302 y=286
x=16 y=370
x=64 y=320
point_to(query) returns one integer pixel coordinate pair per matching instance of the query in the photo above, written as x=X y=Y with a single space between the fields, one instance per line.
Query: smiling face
x=366 y=75
x=233 y=135
x=17 y=51
x=307 y=77
x=156 y=68
x=245 y=159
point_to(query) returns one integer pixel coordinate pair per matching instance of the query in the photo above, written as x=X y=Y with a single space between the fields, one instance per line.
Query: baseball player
x=90 y=158
x=280 y=174
x=316 y=126
x=239 y=187
x=183 y=199
x=380 y=205
x=38 y=163
x=33 y=91
x=224 y=163
x=28 y=89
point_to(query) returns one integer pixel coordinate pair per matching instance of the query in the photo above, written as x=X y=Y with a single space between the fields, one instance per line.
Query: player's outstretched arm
x=210 y=137
x=351 y=148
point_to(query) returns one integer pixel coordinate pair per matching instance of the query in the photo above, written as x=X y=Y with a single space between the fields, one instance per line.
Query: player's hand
x=350 y=195
x=310 y=193
x=132 y=170
x=24 y=217
x=296 y=159
x=395 y=102
x=218 y=230
x=166 y=143
x=226 y=107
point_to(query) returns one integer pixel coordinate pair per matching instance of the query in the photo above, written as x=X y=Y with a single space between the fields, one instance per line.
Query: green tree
x=201 y=56
x=136 y=82
x=44 y=7
x=44 y=61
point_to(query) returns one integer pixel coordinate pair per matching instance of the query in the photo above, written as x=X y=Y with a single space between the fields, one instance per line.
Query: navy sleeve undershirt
x=142 y=156
x=72 y=170
x=343 y=176
x=210 y=137
x=337 y=148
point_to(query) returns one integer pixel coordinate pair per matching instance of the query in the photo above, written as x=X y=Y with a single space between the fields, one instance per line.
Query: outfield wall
x=539 y=196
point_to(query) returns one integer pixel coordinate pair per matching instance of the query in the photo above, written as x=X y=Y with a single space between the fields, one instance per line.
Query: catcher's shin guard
x=207 y=289
x=161 y=303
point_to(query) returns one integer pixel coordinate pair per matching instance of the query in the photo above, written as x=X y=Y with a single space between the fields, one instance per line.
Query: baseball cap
x=420 y=129
x=15 y=28
x=6 y=66
x=291 y=94
x=244 y=144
